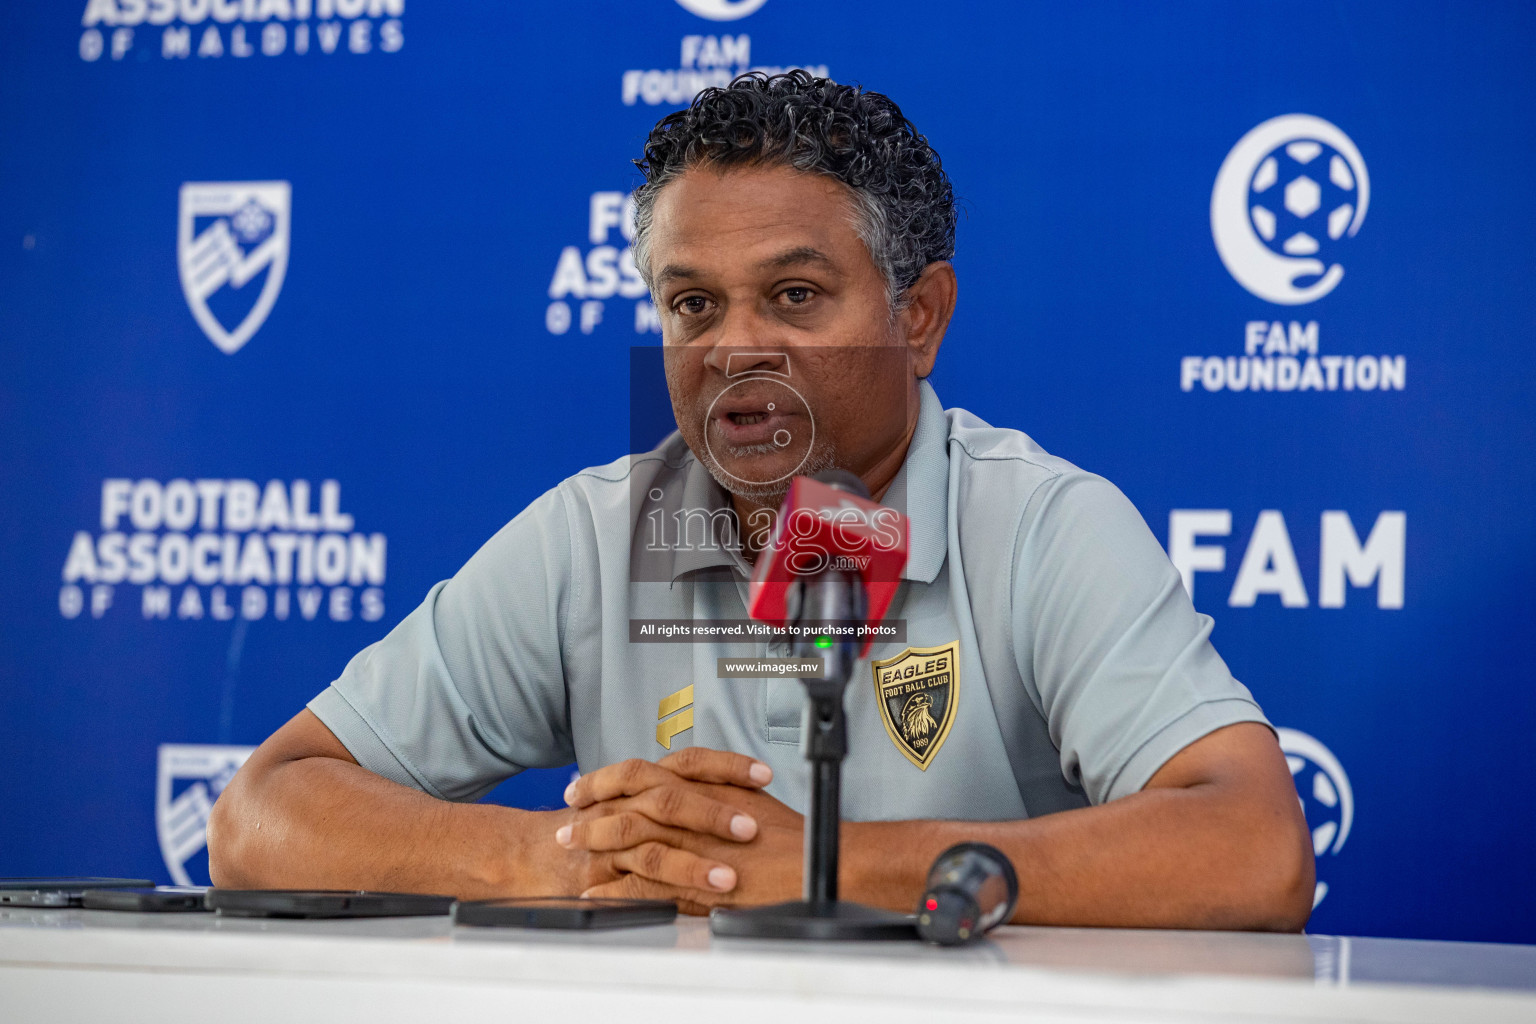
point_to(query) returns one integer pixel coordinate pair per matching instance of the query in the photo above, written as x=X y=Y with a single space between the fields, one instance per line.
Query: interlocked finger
x=635 y=776
x=701 y=764
x=638 y=887
x=624 y=778
x=615 y=832
x=679 y=806
x=671 y=866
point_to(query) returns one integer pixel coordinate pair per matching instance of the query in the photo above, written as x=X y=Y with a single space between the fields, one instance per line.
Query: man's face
x=782 y=354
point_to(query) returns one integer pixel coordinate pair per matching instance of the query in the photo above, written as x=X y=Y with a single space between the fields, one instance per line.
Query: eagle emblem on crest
x=917 y=692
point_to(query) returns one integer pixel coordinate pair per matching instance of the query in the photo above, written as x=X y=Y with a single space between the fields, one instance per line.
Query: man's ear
x=931 y=302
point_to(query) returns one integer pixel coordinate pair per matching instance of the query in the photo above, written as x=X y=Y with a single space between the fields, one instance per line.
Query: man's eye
x=796 y=296
x=692 y=305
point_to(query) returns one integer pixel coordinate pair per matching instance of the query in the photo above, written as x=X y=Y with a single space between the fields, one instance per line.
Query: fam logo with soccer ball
x=1288 y=199
x=1287 y=194
x=721 y=10
x=1326 y=798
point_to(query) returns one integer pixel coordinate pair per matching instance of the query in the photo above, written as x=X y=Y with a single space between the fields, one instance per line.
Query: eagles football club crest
x=228 y=234
x=917 y=692
x=190 y=778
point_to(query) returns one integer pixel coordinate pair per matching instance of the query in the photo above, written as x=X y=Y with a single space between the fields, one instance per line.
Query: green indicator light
x=823 y=642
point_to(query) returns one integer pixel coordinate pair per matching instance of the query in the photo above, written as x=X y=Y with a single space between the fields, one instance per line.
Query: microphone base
x=837 y=921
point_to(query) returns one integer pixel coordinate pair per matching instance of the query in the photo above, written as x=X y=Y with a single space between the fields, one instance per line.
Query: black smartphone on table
x=569 y=913
x=330 y=903
x=59 y=891
x=161 y=899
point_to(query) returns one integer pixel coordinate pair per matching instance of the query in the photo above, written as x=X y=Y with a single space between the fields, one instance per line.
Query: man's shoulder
x=669 y=458
x=610 y=496
x=1005 y=457
x=1014 y=495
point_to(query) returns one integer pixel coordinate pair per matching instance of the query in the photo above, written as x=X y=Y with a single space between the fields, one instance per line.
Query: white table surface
x=84 y=965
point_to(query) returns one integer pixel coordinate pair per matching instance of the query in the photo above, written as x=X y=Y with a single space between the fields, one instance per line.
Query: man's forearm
x=1163 y=858
x=321 y=822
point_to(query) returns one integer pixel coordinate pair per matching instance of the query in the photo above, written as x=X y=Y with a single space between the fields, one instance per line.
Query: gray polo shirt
x=1076 y=664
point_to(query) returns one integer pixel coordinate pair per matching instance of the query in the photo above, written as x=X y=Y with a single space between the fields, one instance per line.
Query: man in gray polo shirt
x=796 y=236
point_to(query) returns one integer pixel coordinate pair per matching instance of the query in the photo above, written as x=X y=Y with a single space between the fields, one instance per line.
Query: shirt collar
x=920 y=490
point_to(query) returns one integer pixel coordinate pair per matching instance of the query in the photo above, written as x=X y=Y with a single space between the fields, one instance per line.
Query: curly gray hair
x=904 y=205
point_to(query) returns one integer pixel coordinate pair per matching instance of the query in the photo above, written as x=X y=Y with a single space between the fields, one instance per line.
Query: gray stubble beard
x=822 y=456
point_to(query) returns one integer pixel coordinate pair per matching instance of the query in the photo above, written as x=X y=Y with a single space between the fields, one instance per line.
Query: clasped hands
x=694 y=827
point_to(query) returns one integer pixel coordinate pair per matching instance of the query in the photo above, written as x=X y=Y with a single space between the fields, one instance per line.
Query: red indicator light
x=932 y=903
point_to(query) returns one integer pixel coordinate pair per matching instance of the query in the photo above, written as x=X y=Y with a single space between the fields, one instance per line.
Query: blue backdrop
x=376 y=255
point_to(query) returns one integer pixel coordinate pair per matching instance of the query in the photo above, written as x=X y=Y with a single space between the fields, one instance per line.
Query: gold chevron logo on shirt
x=666 y=728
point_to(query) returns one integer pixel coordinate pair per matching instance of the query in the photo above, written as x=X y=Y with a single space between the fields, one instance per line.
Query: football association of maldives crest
x=190 y=778
x=232 y=253
x=917 y=692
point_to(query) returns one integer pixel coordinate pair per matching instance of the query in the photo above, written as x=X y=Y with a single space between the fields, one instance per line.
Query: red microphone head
x=820 y=527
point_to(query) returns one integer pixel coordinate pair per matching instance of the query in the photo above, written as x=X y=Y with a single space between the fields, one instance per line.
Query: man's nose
x=735 y=360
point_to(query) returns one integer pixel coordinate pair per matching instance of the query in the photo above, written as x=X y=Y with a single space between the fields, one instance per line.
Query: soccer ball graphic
x=252 y=223
x=1326 y=796
x=1287 y=194
x=1302 y=198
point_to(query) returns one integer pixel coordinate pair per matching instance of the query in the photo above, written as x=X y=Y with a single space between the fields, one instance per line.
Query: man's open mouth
x=745 y=427
x=760 y=417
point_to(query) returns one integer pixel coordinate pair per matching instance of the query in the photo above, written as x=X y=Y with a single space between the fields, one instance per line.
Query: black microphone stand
x=839 y=598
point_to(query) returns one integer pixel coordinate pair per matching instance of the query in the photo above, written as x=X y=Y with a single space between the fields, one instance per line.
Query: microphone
x=847 y=550
x=844 y=554
x=844 y=481
x=972 y=888
x=832 y=594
